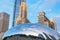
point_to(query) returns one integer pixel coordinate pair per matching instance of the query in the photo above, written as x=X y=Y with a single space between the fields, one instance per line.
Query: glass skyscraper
x=16 y=10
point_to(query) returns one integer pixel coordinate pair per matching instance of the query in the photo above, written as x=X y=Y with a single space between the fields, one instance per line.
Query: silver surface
x=32 y=29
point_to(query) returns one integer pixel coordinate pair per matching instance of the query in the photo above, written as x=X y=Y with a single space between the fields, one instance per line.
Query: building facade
x=20 y=10
x=42 y=19
x=22 y=17
x=53 y=23
x=16 y=10
x=4 y=23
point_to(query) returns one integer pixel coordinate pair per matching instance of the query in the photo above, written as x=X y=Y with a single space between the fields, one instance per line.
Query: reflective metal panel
x=38 y=30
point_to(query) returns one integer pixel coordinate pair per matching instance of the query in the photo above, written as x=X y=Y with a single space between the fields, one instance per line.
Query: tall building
x=4 y=23
x=18 y=10
x=22 y=17
x=53 y=23
x=42 y=19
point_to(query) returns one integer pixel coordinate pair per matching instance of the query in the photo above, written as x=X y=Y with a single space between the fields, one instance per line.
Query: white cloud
x=43 y=5
x=47 y=10
x=54 y=15
x=58 y=16
x=30 y=14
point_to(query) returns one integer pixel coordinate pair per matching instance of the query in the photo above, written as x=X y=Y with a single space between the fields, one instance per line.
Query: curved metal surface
x=32 y=29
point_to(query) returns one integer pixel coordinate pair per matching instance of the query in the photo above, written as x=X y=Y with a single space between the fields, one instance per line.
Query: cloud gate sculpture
x=31 y=32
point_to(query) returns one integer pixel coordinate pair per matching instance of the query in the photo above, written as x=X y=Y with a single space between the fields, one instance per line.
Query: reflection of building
x=31 y=32
x=44 y=20
x=4 y=23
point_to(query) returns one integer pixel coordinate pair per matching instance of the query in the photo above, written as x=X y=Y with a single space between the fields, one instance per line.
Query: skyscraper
x=42 y=19
x=53 y=23
x=22 y=17
x=4 y=23
x=17 y=9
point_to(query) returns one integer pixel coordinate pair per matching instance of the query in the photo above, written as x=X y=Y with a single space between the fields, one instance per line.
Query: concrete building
x=1 y=35
x=53 y=23
x=42 y=19
x=22 y=17
x=4 y=23
x=18 y=5
x=16 y=10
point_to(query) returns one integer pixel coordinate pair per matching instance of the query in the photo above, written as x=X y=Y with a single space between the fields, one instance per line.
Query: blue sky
x=50 y=7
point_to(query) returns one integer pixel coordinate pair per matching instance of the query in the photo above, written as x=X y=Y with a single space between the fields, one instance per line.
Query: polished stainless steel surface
x=32 y=29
